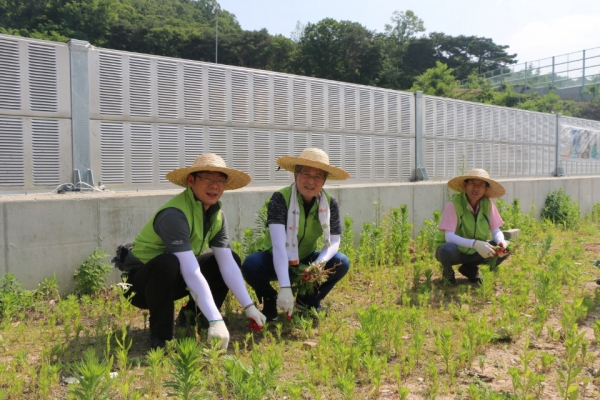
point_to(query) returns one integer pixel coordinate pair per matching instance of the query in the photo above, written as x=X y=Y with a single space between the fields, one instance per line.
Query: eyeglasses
x=481 y=185
x=208 y=180
x=316 y=178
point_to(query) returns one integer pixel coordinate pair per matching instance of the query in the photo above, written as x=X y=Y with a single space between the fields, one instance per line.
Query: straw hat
x=210 y=162
x=316 y=158
x=494 y=191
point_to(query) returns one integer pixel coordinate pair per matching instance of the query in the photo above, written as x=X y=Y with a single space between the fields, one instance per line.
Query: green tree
x=468 y=54
x=404 y=27
x=343 y=51
x=437 y=81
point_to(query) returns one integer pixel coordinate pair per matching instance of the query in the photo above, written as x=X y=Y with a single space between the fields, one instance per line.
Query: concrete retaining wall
x=46 y=234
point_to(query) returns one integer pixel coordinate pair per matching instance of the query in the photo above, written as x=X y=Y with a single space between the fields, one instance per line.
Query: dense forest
x=401 y=57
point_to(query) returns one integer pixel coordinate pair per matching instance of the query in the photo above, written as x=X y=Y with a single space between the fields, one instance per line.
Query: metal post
x=420 y=172
x=558 y=171
x=80 y=107
x=216 y=35
x=583 y=73
x=552 y=71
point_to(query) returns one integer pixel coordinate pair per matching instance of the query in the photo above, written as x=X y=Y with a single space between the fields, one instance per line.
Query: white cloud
x=544 y=39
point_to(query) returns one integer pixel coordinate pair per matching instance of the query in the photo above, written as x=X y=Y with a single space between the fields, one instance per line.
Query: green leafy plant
x=13 y=298
x=186 y=362
x=347 y=239
x=93 y=377
x=559 y=209
x=90 y=277
x=427 y=234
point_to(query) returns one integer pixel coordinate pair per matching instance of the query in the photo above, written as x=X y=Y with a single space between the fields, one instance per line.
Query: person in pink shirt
x=468 y=222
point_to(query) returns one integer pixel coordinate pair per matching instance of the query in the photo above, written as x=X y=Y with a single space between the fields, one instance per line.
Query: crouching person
x=466 y=224
x=166 y=262
x=297 y=216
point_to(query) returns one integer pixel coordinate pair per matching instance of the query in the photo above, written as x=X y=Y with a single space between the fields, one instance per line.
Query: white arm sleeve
x=199 y=289
x=452 y=237
x=327 y=253
x=280 y=258
x=498 y=236
x=232 y=275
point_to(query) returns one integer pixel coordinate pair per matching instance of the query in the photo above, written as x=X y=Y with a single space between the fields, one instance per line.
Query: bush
x=596 y=212
x=559 y=209
x=90 y=277
x=13 y=298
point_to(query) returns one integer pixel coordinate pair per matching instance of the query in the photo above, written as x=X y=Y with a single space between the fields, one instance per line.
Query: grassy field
x=394 y=330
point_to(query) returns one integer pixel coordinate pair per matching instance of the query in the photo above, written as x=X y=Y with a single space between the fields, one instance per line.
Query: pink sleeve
x=495 y=218
x=449 y=218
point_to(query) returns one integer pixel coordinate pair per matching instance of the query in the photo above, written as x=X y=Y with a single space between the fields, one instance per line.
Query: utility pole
x=217 y=35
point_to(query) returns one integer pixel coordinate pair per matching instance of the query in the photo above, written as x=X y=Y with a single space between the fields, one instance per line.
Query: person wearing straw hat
x=168 y=262
x=297 y=216
x=466 y=224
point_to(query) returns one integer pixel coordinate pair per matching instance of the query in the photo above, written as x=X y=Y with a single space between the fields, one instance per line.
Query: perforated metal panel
x=317 y=101
x=334 y=107
x=193 y=92
x=168 y=150
x=112 y=152
x=110 y=73
x=217 y=90
x=240 y=108
x=281 y=101
x=140 y=87
x=10 y=75
x=300 y=102
x=43 y=90
x=506 y=142
x=260 y=95
x=240 y=146
x=45 y=151
x=262 y=160
x=142 y=165
x=194 y=142
x=282 y=147
x=12 y=155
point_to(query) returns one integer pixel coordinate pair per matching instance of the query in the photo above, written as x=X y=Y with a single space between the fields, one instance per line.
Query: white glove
x=257 y=316
x=484 y=249
x=285 y=300
x=218 y=330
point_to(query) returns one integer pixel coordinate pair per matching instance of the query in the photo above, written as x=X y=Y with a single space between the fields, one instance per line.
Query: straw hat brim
x=333 y=173
x=235 y=178
x=494 y=191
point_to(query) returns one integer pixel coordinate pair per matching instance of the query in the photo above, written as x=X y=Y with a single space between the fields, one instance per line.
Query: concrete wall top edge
x=332 y=185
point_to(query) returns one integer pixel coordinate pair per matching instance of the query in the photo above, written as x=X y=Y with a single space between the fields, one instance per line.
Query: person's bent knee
x=251 y=264
x=166 y=267
x=445 y=251
x=341 y=264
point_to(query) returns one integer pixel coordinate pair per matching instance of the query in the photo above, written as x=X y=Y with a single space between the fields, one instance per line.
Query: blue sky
x=534 y=29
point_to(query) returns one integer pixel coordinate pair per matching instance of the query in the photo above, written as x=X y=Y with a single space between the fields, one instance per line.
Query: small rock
x=309 y=345
x=420 y=379
x=70 y=380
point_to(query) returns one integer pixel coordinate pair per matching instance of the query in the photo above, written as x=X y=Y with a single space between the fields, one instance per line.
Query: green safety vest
x=469 y=226
x=148 y=244
x=309 y=230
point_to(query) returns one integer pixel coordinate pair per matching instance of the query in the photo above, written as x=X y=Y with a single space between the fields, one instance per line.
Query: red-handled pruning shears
x=254 y=326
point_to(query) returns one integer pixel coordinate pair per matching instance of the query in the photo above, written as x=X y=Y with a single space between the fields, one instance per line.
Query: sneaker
x=307 y=308
x=269 y=309
x=450 y=281
x=157 y=343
